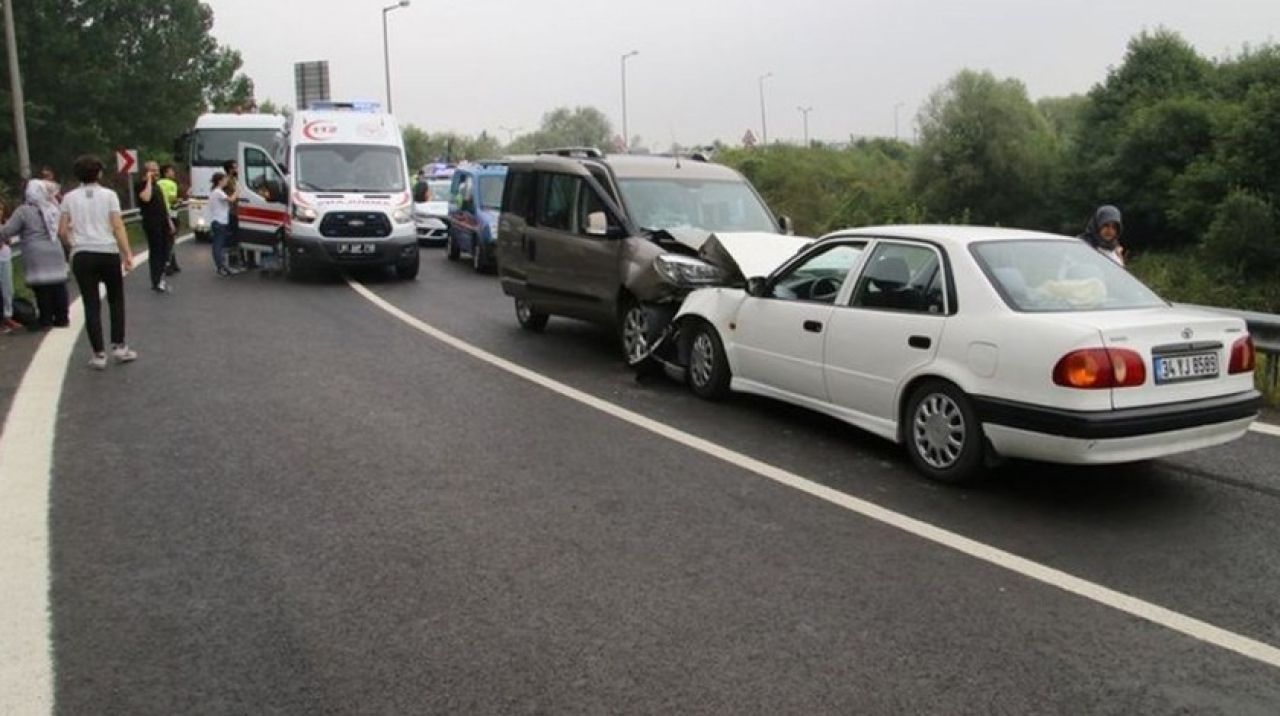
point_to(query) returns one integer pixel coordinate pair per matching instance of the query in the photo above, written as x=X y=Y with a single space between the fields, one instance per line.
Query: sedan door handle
x=813 y=326
x=921 y=342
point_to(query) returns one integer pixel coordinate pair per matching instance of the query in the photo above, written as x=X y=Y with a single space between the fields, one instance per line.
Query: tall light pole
x=896 y=107
x=15 y=81
x=626 y=138
x=386 y=52
x=805 y=111
x=764 y=124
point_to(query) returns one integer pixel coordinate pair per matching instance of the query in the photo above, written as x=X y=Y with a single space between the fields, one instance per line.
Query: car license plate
x=1193 y=366
x=357 y=249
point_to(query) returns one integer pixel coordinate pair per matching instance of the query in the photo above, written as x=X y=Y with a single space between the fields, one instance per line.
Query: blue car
x=475 y=197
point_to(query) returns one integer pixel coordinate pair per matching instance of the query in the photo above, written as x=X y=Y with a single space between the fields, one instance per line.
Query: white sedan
x=968 y=342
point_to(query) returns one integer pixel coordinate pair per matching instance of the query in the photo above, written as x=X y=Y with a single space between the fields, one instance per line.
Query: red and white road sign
x=127 y=161
x=749 y=139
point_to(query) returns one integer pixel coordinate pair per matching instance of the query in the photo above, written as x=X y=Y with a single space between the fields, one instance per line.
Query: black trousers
x=92 y=269
x=158 y=248
x=51 y=301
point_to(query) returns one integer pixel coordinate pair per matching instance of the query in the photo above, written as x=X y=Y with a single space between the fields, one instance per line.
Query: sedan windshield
x=1039 y=276
x=351 y=168
x=695 y=204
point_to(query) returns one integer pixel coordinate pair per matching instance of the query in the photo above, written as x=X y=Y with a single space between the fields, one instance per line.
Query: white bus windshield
x=212 y=147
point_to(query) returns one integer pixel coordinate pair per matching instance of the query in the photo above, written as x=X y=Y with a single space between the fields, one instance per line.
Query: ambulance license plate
x=357 y=249
x=1193 y=366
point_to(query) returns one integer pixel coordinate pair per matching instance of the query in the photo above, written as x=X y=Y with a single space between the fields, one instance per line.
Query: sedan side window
x=902 y=277
x=819 y=277
x=556 y=205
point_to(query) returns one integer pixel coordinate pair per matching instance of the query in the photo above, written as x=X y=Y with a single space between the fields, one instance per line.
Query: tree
x=562 y=127
x=103 y=73
x=1243 y=237
x=986 y=153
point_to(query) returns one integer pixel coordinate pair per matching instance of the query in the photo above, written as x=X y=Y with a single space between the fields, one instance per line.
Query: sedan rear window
x=1042 y=276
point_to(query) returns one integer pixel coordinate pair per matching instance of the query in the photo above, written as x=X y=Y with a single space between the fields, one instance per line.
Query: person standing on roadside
x=232 y=169
x=7 y=324
x=1103 y=233
x=220 y=203
x=35 y=224
x=168 y=184
x=91 y=227
x=155 y=224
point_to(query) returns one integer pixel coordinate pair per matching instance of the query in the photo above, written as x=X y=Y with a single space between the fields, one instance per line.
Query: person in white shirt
x=220 y=203
x=91 y=228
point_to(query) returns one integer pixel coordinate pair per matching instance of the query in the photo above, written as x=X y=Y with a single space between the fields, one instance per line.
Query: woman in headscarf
x=1103 y=233
x=34 y=226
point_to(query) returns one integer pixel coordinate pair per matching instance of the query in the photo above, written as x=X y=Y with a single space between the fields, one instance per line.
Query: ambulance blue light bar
x=355 y=106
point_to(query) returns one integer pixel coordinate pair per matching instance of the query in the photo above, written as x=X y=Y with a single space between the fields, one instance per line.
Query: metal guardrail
x=1265 y=329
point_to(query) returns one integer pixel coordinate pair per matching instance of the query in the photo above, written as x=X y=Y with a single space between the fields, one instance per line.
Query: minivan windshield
x=350 y=168
x=671 y=203
x=1039 y=276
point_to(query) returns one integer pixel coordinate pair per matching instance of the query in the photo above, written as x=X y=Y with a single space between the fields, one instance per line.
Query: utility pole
x=15 y=82
x=764 y=124
x=805 y=112
x=386 y=52
x=626 y=138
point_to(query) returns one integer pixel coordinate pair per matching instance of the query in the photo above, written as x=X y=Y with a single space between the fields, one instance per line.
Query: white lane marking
x=1266 y=429
x=1134 y=606
x=26 y=471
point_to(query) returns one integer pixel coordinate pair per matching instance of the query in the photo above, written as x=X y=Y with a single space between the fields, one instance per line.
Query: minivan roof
x=638 y=166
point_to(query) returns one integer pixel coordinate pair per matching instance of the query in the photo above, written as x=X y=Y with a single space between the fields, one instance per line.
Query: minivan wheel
x=478 y=263
x=408 y=270
x=636 y=333
x=708 y=372
x=942 y=433
x=530 y=319
x=451 y=248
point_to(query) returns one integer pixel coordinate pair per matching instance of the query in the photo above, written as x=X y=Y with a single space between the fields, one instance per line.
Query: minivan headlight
x=687 y=271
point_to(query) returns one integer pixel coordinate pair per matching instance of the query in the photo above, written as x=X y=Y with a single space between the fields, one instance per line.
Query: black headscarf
x=1093 y=231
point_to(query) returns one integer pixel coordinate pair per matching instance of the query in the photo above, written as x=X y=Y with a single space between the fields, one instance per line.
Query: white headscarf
x=42 y=195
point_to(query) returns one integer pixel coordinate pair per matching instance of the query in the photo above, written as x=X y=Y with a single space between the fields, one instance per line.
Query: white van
x=213 y=141
x=344 y=198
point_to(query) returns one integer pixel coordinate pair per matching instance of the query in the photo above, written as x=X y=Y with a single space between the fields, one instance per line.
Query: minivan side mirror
x=758 y=286
x=597 y=224
x=787 y=227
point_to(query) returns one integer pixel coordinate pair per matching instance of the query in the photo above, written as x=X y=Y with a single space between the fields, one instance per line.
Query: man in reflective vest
x=168 y=184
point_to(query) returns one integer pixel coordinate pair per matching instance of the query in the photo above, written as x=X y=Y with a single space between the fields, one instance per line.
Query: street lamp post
x=386 y=52
x=805 y=111
x=15 y=80
x=764 y=124
x=626 y=138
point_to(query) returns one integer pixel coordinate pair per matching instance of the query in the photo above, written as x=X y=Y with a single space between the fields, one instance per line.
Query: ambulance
x=342 y=198
x=212 y=142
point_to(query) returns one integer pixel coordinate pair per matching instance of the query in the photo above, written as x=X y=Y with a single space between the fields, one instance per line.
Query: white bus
x=216 y=139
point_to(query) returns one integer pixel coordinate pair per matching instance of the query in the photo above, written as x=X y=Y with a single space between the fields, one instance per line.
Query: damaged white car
x=969 y=343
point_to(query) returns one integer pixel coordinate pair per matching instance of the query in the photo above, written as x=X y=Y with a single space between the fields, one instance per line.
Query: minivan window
x=555 y=210
x=695 y=204
x=353 y=168
x=518 y=191
x=491 y=191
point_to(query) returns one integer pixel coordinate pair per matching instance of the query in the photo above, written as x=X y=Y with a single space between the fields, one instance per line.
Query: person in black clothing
x=156 y=224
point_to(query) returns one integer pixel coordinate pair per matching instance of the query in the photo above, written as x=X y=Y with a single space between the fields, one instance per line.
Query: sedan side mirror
x=758 y=286
x=597 y=224
x=787 y=227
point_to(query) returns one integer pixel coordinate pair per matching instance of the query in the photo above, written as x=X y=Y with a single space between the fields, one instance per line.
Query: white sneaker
x=123 y=353
x=98 y=361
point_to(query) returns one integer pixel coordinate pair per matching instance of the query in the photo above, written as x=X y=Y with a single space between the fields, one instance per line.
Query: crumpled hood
x=748 y=254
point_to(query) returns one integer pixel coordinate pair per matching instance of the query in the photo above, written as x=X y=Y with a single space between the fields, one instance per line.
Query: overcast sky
x=468 y=65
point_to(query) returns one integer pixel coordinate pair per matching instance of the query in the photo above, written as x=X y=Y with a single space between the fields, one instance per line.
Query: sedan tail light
x=1243 y=358
x=1100 y=368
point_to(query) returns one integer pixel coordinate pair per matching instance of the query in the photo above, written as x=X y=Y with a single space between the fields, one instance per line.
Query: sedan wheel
x=943 y=435
x=708 y=367
x=530 y=319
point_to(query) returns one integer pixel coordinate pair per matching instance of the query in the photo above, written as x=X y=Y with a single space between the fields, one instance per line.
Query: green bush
x=1242 y=237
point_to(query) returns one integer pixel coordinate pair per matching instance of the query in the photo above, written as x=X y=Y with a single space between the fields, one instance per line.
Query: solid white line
x=26 y=472
x=1266 y=429
x=1134 y=606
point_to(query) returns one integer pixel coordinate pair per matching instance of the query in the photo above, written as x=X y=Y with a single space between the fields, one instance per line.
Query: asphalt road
x=294 y=503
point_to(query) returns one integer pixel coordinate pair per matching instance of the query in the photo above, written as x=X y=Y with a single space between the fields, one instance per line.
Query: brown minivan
x=619 y=240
